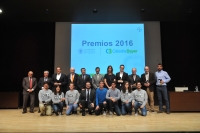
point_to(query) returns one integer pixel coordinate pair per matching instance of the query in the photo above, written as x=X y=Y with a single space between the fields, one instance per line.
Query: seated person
x=44 y=96
x=101 y=104
x=139 y=99
x=113 y=95
x=57 y=99
x=87 y=99
x=71 y=100
x=126 y=98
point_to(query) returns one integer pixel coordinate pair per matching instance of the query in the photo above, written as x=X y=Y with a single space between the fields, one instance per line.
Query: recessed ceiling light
x=1 y=11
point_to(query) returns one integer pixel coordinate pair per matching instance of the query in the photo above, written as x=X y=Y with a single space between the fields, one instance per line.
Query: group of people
x=100 y=94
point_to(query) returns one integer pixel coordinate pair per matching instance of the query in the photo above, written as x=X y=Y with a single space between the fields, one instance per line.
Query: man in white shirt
x=59 y=79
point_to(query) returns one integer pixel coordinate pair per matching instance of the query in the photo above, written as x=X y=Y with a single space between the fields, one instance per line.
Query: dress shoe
x=90 y=113
x=24 y=112
x=83 y=113
x=159 y=111
x=56 y=113
x=31 y=111
x=152 y=110
x=75 y=112
x=168 y=112
x=39 y=111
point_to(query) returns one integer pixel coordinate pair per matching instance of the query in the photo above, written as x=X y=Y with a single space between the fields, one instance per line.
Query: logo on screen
x=108 y=51
x=80 y=51
x=139 y=29
x=120 y=51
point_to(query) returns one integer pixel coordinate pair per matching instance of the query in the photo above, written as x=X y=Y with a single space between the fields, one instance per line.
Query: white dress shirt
x=58 y=76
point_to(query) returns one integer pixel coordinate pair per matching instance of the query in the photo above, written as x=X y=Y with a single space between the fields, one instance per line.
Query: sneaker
x=104 y=112
x=159 y=111
x=136 y=114
x=110 y=113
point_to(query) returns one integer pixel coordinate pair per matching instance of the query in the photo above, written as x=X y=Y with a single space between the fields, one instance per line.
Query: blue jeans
x=137 y=106
x=162 y=92
x=58 y=107
x=126 y=108
x=71 y=107
x=115 y=105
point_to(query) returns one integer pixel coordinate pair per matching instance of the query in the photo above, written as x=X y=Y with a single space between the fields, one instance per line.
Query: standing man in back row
x=148 y=80
x=29 y=85
x=96 y=78
x=121 y=77
x=72 y=77
x=59 y=79
x=133 y=79
x=162 y=78
x=82 y=79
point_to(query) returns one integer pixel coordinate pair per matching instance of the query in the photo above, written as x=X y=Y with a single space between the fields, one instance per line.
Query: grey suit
x=95 y=80
x=26 y=86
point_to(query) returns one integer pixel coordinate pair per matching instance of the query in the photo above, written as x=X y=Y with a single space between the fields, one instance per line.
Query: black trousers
x=86 y=104
x=102 y=107
x=32 y=101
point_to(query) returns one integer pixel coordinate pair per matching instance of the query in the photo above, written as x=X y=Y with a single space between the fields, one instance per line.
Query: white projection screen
x=90 y=45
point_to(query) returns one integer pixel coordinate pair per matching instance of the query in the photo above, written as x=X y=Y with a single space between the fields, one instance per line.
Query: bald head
x=146 y=69
x=30 y=74
x=72 y=70
x=134 y=70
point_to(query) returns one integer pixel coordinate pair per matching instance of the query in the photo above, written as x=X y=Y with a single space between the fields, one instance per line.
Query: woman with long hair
x=126 y=98
x=109 y=77
x=57 y=98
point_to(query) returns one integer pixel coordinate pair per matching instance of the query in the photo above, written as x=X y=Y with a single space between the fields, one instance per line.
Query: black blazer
x=92 y=95
x=132 y=81
x=41 y=82
x=124 y=78
x=75 y=80
x=152 y=81
x=81 y=82
x=62 y=80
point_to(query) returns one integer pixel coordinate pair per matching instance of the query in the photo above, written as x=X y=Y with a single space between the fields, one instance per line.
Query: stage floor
x=12 y=120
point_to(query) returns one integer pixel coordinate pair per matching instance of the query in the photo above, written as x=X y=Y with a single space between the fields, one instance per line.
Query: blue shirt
x=162 y=75
x=100 y=95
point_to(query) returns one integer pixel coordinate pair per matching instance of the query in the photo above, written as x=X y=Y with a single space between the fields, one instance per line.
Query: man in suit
x=46 y=78
x=72 y=77
x=29 y=85
x=96 y=78
x=121 y=77
x=59 y=79
x=133 y=79
x=87 y=99
x=148 y=80
x=82 y=79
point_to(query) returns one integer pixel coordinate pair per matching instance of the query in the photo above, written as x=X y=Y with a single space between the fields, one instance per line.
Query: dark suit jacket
x=124 y=78
x=81 y=82
x=41 y=82
x=132 y=81
x=26 y=85
x=62 y=80
x=69 y=80
x=152 y=81
x=92 y=95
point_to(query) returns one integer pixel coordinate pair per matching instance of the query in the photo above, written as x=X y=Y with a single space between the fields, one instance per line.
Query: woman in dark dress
x=109 y=77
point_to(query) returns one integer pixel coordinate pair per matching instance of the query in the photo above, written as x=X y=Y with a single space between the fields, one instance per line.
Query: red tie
x=30 y=83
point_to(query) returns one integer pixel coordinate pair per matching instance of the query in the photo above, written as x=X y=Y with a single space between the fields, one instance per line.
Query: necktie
x=72 y=78
x=83 y=76
x=30 y=83
x=88 y=96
